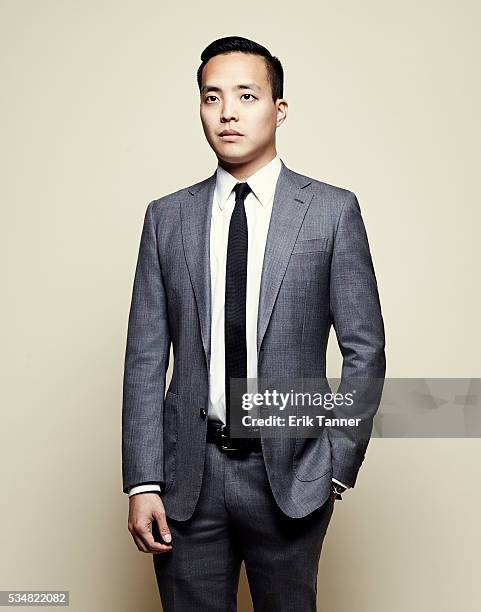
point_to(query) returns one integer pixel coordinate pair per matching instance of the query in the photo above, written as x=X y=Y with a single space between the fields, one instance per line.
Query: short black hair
x=236 y=44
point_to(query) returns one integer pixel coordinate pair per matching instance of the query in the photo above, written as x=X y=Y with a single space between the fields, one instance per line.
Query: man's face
x=236 y=95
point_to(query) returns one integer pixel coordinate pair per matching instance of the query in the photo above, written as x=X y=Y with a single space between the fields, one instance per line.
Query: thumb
x=164 y=528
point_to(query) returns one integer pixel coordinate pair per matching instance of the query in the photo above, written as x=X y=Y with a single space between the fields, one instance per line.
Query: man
x=244 y=273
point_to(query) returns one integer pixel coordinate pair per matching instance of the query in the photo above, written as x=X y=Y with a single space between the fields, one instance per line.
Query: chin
x=233 y=156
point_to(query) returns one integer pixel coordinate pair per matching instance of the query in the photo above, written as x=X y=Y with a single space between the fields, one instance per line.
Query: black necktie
x=235 y=296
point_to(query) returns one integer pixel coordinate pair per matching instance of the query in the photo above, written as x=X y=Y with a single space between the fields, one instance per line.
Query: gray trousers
x=236 y=519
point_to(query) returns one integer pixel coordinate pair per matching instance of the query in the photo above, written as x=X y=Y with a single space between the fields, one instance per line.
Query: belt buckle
x=224 y=445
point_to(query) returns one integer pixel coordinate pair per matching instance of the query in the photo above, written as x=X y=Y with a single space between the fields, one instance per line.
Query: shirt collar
x=262 y=182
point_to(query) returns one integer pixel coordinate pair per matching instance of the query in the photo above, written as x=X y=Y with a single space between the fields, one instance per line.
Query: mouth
x=230 y=134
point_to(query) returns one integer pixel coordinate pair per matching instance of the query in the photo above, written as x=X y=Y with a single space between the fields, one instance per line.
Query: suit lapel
x=291 y=201
x=290 y=204
x=196 y=211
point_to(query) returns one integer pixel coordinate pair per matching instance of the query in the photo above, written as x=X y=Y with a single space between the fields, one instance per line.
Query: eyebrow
x=242 y=86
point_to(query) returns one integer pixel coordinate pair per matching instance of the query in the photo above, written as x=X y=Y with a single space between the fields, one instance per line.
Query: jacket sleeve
x=356 y=316
x=146 y=363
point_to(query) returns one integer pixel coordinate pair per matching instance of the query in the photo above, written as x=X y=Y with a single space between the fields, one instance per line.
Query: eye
x=248 y=94
x=207 y=98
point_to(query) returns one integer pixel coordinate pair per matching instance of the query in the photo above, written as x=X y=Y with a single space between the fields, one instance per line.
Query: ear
x=281 y=109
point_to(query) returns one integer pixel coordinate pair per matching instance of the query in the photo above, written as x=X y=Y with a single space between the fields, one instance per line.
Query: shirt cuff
x=341 y=483
x=144 y=489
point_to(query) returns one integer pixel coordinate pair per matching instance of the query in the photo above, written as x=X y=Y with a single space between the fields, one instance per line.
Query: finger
x=148 y=541
x=152 y=545
x=139 y=543
x=135 y=533
x=143 y=548
x=163 y=529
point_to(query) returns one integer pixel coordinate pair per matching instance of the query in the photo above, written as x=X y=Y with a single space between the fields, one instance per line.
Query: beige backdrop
x=100 y=116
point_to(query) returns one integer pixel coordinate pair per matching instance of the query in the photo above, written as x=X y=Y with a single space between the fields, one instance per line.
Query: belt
x=216 y=434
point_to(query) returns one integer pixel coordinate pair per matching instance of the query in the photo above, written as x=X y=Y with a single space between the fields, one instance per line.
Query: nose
x=228 y=113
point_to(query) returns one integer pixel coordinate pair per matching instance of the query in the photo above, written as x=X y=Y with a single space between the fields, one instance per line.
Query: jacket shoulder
x=327 y=196
x=179 y=194
x=323 y=188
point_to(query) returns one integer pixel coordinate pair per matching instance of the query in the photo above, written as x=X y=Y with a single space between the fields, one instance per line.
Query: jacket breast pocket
x=311 y=245
x=170 y=423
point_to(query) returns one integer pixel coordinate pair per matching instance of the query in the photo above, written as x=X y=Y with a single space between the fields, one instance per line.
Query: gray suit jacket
x=317 y=271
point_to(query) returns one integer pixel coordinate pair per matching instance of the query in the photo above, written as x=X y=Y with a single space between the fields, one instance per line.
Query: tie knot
x=241 y=190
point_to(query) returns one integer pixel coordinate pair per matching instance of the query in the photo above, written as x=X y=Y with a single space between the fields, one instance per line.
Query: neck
x=242 y=171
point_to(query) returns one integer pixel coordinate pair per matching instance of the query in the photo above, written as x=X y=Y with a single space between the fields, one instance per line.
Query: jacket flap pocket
x=311 y=245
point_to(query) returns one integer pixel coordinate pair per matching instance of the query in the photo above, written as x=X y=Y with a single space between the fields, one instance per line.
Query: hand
x=144 y=508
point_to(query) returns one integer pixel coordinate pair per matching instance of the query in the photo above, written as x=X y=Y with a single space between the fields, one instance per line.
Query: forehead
x=232 y=68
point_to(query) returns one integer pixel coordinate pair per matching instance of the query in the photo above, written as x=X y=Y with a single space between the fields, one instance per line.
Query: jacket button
x=203 y=413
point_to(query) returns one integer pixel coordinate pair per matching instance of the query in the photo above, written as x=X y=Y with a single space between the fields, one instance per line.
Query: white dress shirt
x=258 y=207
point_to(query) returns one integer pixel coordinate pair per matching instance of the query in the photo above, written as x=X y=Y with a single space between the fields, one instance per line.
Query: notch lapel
x=195 y=218
x=291 y=201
